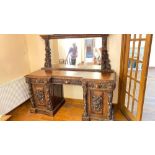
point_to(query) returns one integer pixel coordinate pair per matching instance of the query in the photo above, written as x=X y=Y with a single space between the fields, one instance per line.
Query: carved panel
x=39 y=94
x=97 y=104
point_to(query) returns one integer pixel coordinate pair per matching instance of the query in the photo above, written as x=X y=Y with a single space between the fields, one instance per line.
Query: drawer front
x=66 y=81
x=101 y=85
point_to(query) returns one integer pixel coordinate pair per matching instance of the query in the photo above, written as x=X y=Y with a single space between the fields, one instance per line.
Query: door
x=134 y=66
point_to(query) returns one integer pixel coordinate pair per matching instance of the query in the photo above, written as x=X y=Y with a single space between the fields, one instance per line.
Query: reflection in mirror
x=80 y=51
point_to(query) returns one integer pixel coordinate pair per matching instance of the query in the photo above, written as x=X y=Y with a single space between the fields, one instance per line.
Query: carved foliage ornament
x=40 y=96
x=97 y=104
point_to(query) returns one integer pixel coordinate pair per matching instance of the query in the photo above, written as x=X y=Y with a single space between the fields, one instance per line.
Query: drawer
x=66 y=81
x=101 y=85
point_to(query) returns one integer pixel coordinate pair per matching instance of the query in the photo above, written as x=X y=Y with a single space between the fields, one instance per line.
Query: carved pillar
x=48 y=88
x=85 y=116
x=28 y=81
x=48 y=64
x=105 y=62
x=110 y=110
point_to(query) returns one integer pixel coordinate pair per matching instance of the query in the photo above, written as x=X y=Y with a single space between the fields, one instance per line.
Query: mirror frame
x=105 y=62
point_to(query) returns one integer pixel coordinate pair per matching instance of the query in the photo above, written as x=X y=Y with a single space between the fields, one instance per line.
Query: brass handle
x=66 y=82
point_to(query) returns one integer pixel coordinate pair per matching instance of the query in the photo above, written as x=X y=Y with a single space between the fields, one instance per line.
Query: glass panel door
x=136 y=58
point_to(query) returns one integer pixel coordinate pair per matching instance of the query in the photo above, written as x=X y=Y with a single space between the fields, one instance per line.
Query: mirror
x=79 y=51
x=84 y=52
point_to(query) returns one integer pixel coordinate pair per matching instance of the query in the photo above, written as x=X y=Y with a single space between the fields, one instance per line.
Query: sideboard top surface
x=73 y=74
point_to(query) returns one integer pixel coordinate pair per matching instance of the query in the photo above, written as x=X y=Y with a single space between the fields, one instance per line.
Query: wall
x=36 y=55
x=114 y=48
x=14 y=61
x=36 y=51
x=35 y=46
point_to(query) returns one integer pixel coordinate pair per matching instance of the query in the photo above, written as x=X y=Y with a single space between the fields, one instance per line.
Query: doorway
x=133 y=74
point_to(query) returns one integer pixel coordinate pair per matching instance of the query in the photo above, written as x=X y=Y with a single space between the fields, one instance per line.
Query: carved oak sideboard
x=46 y=92
x=46 y=85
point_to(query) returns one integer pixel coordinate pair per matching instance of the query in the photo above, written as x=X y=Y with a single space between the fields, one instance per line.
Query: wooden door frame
x=123 y=49
x=121 y=77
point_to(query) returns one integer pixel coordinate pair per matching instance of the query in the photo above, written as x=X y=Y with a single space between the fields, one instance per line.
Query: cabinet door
x=39 y=95
x=98 y=104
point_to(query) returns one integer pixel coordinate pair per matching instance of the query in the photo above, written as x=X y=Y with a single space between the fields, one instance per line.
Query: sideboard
x=46 y=90
x=98 y=82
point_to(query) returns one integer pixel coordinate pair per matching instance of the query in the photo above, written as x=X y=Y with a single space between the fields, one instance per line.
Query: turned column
x=105 y=62
x=85 y=116
x=48 y=63
x=28 y=81
x=110 y=110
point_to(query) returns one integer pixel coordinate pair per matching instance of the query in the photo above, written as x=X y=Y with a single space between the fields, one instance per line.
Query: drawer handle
x=66 y=82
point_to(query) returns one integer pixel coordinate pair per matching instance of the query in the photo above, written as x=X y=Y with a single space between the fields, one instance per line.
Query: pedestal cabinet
x=46 y=97
x=98 y=98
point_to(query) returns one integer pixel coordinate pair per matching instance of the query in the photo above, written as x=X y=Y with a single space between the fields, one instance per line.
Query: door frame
x=121 y=75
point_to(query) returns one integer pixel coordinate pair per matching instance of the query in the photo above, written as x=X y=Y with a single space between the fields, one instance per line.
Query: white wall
x=14 y=62
x=36 y=51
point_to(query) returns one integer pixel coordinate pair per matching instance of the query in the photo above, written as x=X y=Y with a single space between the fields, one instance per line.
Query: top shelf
x=63 y=36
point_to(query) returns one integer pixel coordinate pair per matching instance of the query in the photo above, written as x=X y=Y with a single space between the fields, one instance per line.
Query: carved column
x=48 y=64
x=28 y=81
x=85 y=116
x=110 y=110
x=105 y=62
x=48 y=88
